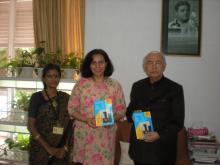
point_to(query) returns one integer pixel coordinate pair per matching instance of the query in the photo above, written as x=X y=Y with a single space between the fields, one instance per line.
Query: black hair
x=182 y=3
x=85 y=67
x=50 y=67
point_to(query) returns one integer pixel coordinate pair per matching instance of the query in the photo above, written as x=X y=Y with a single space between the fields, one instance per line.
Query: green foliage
x=3 y=58
x=23 y=58
x=21 y=141
x=54 y=58
x=44 y=58
x=71 y=60
x=21 y=100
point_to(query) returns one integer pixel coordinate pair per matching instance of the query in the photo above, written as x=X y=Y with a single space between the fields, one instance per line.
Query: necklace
x=54 y=102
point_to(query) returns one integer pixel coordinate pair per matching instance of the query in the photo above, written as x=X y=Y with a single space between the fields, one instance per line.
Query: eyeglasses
x=157 y=63
x=100 y=63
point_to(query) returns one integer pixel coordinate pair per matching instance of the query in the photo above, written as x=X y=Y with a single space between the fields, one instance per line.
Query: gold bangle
x=37 y=136
x=65 y=148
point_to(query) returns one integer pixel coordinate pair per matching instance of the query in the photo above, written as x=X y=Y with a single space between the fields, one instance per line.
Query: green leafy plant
x=23 y=58
x=15 y=67
x=21 y=141
x=21 y=100
x=71 y=60
x=3 y=58
x=26 y=57
x=3 y=63
x=43 y=57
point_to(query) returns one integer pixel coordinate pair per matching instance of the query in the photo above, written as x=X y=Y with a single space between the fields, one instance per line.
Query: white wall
x=128 y=29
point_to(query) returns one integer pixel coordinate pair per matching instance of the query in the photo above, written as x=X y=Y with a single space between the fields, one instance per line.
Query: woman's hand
x=91 y=122
x=108 y=126
x=60 y=154
x=117 y=117
x=52 y=150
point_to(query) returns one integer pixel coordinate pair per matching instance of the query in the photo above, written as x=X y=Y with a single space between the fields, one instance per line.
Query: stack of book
x=203 y=148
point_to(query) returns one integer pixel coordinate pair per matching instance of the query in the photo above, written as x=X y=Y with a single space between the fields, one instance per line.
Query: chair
x=123 y=134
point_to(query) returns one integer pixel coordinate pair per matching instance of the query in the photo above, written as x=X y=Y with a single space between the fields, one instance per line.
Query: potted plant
x=18 y=145
x=20 y=106
x=43 y=58
x=71 y=64
x=21 y=142
x=23 y=63
x=14 y=66
x=21 y=100
x=71 y=61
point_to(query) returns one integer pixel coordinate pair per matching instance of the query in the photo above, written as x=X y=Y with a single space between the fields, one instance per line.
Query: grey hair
x=154 y=52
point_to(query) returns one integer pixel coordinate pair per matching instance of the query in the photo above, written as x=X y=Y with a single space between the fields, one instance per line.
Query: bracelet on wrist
x=37 y=137
x=65 y=148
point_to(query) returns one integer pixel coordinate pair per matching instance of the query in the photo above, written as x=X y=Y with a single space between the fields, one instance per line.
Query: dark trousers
x=165 y=163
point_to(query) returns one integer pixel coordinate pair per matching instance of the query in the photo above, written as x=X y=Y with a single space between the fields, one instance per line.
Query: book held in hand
x=143 y=123
x=103 y=112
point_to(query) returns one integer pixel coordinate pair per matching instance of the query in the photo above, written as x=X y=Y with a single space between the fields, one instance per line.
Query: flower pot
x=3 y=72
x=26 y=72
x=71 y=74
x=37 y=73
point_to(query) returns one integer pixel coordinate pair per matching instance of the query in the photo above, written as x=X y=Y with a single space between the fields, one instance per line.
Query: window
x=24 y=36
x=4 y=23
x=16 y=31
x=16 y=25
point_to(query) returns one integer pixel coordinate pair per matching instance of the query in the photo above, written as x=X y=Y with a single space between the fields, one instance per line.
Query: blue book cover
x=143 y=123
x=103 y=112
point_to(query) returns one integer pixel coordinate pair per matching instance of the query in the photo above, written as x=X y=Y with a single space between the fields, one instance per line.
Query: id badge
x=58 y=130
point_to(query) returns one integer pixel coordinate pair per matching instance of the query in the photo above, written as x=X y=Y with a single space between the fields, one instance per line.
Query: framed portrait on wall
x=181 y=27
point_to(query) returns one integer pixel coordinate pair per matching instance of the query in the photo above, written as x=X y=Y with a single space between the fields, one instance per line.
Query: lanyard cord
x=54 y=104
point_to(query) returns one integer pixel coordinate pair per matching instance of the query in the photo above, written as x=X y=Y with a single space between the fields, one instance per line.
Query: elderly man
x=165 y=100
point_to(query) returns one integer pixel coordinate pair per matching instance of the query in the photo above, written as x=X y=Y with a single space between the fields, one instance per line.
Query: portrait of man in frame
x=181 y=27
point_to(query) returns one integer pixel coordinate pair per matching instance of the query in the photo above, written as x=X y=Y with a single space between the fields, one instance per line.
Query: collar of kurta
x=155 y=83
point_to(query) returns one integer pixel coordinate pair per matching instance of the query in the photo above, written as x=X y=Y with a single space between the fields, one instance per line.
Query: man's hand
x=151 y=137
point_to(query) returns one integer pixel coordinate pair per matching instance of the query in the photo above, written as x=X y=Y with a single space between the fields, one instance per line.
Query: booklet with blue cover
x=103 y=112
x=143 y=123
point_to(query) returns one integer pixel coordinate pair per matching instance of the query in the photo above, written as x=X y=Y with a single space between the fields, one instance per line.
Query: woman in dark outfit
x=165 y=100
x=47 y=121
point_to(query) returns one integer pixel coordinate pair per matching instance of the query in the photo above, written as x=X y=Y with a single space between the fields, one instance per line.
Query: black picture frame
x=181 y=27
